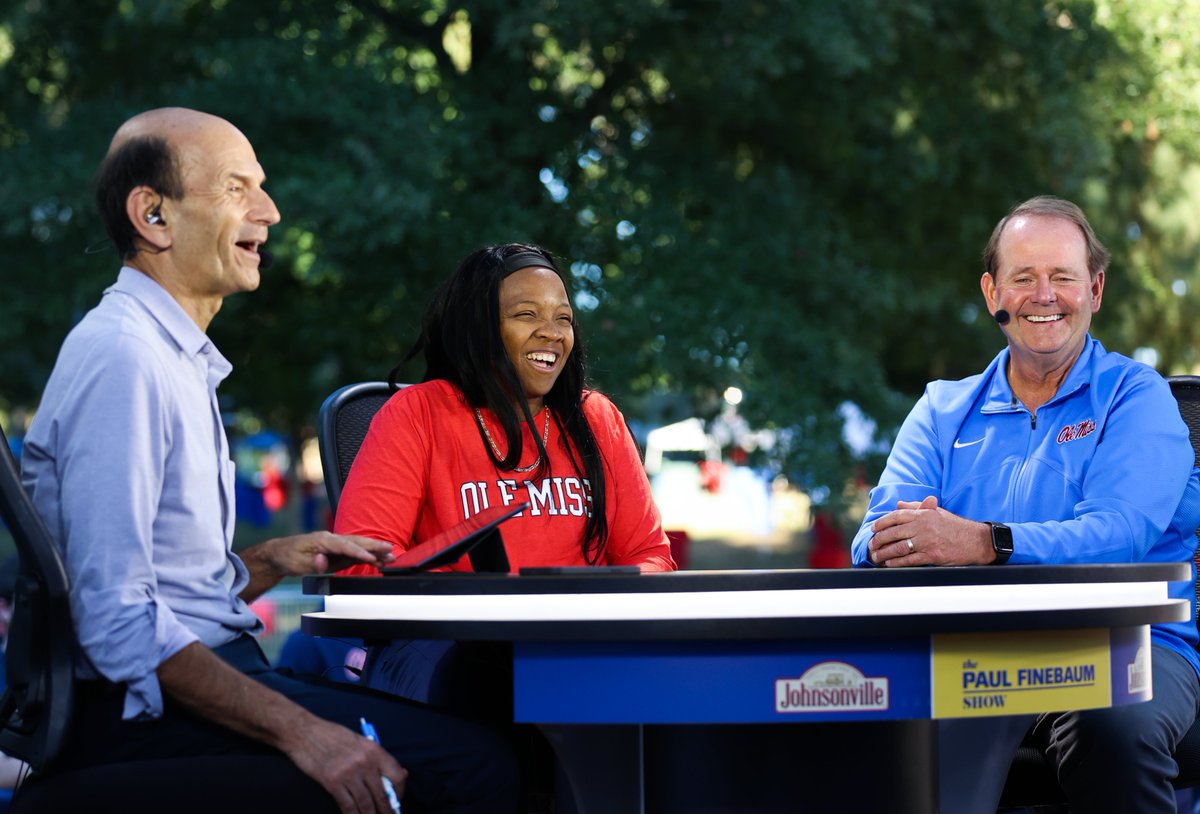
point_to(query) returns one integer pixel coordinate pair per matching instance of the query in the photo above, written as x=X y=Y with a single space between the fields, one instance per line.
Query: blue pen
x=369 y=733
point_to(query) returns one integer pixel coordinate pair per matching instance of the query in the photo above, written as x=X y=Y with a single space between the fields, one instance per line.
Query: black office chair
x=1031 y=779
x=342 y=424
x=36 y=708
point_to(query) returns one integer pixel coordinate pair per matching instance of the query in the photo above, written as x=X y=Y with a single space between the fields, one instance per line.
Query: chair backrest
x=35 y=709
x=1186 y=390
x=341 y=426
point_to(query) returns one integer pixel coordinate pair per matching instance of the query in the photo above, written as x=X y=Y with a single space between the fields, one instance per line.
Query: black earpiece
x=154 y=218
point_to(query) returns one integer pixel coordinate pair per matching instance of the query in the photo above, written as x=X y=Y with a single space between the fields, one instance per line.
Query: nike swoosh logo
x=959 y=444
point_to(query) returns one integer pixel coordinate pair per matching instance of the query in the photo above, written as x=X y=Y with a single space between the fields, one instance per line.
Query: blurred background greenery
x=788 y=197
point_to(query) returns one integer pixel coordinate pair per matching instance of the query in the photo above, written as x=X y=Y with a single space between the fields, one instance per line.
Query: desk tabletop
x=747 y=604
x=744 y=580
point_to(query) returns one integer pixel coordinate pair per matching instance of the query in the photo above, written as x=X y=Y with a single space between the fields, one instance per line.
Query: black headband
x=523 y=260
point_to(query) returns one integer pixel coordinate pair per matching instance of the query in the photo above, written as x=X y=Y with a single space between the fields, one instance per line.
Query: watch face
x=1002 y=542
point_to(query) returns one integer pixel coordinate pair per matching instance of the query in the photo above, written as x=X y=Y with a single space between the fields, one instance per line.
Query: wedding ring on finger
x=911 y=547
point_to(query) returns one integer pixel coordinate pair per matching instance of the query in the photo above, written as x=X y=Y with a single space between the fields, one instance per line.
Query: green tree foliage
x=1153 y=197
x=788 y=196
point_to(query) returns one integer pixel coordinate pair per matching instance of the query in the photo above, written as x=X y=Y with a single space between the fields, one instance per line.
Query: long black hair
x=461 y=343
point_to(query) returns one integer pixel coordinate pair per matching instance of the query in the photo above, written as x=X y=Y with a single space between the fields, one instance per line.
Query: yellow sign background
x=998 y=658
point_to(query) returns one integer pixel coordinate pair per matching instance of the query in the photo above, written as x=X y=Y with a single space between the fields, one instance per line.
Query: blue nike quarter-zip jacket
x=1103 y=473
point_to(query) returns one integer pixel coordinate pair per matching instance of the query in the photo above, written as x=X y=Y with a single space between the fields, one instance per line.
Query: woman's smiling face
x=537 y=326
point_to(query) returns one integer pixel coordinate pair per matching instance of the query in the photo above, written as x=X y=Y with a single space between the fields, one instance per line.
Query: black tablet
x=478 y=536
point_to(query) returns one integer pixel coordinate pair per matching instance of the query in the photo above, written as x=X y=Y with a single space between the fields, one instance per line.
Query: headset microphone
x=1001 y=316
x=265 y=259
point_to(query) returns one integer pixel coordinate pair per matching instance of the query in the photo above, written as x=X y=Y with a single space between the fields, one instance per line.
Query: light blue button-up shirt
x=128 y=464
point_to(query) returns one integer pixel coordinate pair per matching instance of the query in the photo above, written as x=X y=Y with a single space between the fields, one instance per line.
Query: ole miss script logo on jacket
x=1073 y=432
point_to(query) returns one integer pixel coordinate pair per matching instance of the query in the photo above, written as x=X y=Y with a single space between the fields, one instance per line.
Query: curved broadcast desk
x=664 y=692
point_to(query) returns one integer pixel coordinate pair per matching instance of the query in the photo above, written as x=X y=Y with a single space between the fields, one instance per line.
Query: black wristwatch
x=1001 y=542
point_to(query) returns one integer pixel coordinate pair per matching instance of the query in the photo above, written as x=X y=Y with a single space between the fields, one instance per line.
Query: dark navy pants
x=1120 y=759
x=453 y=765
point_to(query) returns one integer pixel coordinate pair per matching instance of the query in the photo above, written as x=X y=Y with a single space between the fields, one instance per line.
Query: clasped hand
x=921 y=533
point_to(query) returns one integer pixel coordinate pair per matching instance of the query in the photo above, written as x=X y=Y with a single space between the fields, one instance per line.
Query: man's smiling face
x=1042 y=280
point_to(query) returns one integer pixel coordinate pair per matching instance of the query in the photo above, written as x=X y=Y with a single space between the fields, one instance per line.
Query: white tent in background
x=684 y=440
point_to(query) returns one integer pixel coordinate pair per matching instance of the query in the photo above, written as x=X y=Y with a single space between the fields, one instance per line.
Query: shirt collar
x=1000 y=394
x=170 y=315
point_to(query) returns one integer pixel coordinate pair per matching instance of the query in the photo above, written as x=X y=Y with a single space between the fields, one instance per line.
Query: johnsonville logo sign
x=831 y=686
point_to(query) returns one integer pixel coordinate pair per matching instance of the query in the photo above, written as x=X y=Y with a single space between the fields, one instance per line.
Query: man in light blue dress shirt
x=128 y=464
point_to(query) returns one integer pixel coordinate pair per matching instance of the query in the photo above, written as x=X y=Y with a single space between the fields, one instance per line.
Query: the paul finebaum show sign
x=985 y=674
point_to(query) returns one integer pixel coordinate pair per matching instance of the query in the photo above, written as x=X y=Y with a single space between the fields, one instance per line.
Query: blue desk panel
x=727 y=682
x=811 y=681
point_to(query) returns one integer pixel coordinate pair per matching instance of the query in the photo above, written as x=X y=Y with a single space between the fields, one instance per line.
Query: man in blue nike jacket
x=1059 y=452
